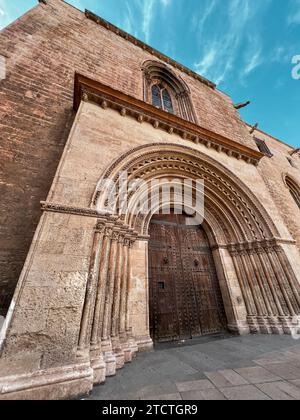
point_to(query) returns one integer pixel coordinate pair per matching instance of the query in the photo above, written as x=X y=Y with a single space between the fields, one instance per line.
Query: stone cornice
x=103 y=218
x=107 y=25
x=90 y=90
x=266 y=243
x=79 y=211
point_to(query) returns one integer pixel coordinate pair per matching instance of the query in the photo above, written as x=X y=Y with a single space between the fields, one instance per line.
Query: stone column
x=115 y=322
x=123 y=302
x=132 y=343
x=109 y=356
x=97 y=361
x=290 y=275
x=247 y=290
x=91 y=290
x=278 y=273
x=253 y=286
x=269 y=278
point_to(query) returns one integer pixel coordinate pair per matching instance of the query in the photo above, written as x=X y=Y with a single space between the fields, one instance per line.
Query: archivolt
x=240 y=216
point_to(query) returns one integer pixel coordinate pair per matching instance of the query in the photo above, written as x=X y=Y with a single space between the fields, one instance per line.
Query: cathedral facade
x=91 y=275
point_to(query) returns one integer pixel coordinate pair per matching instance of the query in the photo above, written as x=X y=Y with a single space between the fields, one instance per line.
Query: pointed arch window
x=167 y=91
x=161 y=98
x=294 y=190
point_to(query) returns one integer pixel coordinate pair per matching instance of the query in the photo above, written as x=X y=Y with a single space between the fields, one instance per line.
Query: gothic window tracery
x=161 y=98
x=164 y=90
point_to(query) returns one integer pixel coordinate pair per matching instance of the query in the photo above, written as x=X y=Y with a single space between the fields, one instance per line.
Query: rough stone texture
x=2 y=319
x=44 y=49
x=60 y=316
x=46 y=321
x=274 y=170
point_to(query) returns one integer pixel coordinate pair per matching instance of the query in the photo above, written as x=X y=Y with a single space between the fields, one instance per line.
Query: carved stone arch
x=293 y=186
x=260 y=285
x=145 y=161
x=232 y=227
x=156 y=72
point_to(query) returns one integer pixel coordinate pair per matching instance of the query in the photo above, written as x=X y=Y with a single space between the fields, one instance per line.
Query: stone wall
x=44 y=49
x=274 y=170
x=57 y=337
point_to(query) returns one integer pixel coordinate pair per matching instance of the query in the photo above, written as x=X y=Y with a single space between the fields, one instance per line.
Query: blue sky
x=245 y=46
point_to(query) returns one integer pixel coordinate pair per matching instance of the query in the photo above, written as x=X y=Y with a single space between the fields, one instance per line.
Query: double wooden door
x=185 y=296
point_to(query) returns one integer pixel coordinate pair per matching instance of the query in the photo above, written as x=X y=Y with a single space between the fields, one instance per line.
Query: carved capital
x=115 y=235
x=108 y=232
x=100 y=226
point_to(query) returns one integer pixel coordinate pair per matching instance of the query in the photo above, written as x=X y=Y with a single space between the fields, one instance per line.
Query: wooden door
x=185 y=297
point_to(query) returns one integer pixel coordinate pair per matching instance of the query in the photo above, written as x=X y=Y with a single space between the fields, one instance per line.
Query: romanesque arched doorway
x=259 y=286
x=184 y=291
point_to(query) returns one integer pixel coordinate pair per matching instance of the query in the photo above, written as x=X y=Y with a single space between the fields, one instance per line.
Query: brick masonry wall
x=274 y=170
x=44 y=49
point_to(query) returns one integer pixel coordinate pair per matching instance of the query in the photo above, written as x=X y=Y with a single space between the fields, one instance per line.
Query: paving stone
x=272 y=358
x=285 y=370
x=149 y=376
x=168 y=397
x=296 y=383
x=158 y=390
x=295 y=350
x=224 y=378
x=258 y=375
x=280 y=390
x=244 y=393
x=205 y=395
x=194 y=386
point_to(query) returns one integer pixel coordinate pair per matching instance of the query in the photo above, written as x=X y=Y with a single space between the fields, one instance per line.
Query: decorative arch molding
x=163 y=159
x=157 y=73
x=242 y=235
x=293 y=186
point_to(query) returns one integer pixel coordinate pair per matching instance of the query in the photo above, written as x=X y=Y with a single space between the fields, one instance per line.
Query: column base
x=278 y=325
x=99 y=369
x=239 y=329
x=119 y=353
x=144 y=343
x=54 y=384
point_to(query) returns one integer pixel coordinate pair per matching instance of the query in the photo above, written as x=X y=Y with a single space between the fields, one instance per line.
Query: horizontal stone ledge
x=87 y=89
x=19 y=383
x=260 y=243
x=79 y=211
x=102 y=218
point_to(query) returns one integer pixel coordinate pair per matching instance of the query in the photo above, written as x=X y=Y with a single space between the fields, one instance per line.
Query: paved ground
x=259 y=367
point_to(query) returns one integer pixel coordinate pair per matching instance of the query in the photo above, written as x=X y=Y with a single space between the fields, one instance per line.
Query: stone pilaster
x=97 y=362
x=115 y=323
x=108 y=354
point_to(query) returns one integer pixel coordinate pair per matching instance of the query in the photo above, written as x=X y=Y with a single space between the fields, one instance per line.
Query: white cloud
x=254 y=62
x=253 y=57
x=199 y=22
x=128 y=22
x=148 y=10
x=223 y=48
x=207 y=61
x=2 y=13
x=294 y=17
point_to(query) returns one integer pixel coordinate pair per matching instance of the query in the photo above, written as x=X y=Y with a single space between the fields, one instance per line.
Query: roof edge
x=272 y=137
x=120 y=32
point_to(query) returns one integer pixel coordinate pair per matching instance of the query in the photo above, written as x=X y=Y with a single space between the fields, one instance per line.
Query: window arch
x=165 y=90
x=294 y=190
